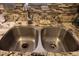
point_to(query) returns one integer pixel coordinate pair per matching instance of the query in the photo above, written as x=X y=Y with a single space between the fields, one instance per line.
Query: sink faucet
x=30 y=17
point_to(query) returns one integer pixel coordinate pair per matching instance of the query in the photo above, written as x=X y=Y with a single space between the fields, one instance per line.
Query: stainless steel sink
x=59 y=40
x=19 y=39
x=50 y=39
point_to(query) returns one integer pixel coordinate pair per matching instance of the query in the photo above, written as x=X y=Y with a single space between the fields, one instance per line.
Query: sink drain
x=53 y=45
x=25 y=45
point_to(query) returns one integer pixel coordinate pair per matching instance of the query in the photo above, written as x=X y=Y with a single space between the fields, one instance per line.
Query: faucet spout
x=30 y=17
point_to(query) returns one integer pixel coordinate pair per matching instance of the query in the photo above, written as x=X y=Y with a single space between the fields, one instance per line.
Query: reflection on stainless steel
x=19 y=39
x=39 y=48
x=58 y=40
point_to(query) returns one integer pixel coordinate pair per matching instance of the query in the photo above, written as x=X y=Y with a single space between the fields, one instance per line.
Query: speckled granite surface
x=14 y=53
x=39 y=20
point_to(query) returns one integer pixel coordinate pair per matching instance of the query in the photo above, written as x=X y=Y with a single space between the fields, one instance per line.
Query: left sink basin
x=19 y=38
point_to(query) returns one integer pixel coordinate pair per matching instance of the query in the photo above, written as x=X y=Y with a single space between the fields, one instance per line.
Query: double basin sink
x=49 y=39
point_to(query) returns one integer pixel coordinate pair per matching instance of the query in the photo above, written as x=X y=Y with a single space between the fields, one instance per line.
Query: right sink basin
x=59 y=40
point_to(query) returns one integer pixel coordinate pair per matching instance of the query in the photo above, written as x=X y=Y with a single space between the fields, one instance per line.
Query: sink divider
x=39 y=48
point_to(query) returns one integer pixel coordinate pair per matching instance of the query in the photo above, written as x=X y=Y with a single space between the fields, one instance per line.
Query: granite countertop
x=13 y=20
x=7 y=25
x=14 y=53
